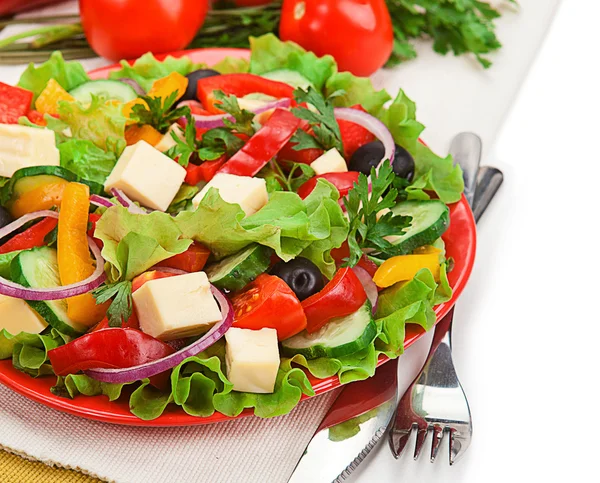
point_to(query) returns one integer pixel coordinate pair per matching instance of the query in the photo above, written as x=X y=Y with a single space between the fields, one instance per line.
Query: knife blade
x=351 y=429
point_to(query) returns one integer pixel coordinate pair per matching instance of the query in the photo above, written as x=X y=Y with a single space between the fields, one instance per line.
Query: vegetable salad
x=210 y=235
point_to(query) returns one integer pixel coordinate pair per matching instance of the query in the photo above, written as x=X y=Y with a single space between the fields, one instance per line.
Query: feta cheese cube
x=167 y=141
x=175 y=307
x=252 y=359
x=146 y=175
x=330 y=162
x=17 y=316
x=250 y=193
x=22 y=147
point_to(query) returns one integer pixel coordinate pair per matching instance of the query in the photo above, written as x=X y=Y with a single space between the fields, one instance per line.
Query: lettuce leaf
x=68 y=74
x=86 y=160
x=289 y=225
x=148 y=69
x=269 y=54
x=101 y=123
x=29 y=352
x=356 y=90
x=232 y=65
x=5 y=261
x=183 y=198
x=134 y=243
x=75 y=384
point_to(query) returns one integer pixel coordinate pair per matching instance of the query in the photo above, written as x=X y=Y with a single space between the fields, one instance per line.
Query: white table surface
x=524 y=330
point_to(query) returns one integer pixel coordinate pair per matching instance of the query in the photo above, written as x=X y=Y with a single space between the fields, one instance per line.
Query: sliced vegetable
x=269 y=302
x=343 y=295
x=369 y=285
x=166 y=86
x=354 y=135
x=143 y=132
x=47 y=102
x=405 y=267
x=238 y=270
x=339 y=337
x=14 y=103
x=344 y=182
x=264 y=145
x=239 y=85
x=140 y=280
x=109 y=89
x=192 y=260
x=74 y=261
x=38 y=268
x=31 y=238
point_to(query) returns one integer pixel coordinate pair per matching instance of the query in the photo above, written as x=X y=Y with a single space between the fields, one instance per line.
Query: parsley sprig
x=298 y=174
x=366 y=230
x=215 y=142
x=121 y=306
x=157 y=112
x=321 y=118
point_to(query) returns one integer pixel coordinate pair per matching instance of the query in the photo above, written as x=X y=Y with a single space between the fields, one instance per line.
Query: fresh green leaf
x=243 y=118
x=133 y=242
x=121 y=306
x=232 y=65
x=86 y=160
x=147 y=69
x=5 y=261
x=356 y=90
x=217 y=142
x=183 y=198
x=68 y=74
x=187 y=146
x=297 y=175
x=304 y=140
x=269 y=54
x=73 y=385
x=101 y=123
x=157 y=112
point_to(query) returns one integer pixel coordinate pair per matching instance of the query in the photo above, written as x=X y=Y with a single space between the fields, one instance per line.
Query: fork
x=436 y=401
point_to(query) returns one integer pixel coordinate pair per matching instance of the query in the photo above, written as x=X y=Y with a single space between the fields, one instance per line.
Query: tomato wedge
x=192 y=260
x=341 y=254
x=342 y=181
x=269 y=302
x=353 y=135
x=343 y=295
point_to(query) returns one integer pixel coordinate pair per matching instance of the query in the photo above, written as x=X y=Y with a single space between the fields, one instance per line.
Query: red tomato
x=358 y=33
x=304 y=156
x=147 y=276
x=192 y=260
x=126 y=29
x=269 y=302
x=341 y=254
x=342 y=181
x=353 y=135
x=343 y=295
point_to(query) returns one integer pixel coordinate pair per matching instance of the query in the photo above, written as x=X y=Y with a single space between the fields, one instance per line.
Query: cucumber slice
x=291 y=77
x=28 y=178
x=111 y=89
x=238 y=270
x=430 y=219
x=38 y=268
x=339 y=337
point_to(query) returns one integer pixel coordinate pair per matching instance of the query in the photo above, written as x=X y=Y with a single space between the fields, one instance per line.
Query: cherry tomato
x=192 y=260
x=269 y=302
x=342 y=181
x=343 y=295
x=126 y=29
x=358 y=33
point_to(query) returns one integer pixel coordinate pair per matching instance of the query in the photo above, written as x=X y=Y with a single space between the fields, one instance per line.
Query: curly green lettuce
x=86 y=160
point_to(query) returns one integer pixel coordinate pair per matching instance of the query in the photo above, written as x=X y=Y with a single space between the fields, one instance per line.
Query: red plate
x=460 y=245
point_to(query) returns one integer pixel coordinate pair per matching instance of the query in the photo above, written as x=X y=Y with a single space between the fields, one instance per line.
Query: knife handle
x=360 y=397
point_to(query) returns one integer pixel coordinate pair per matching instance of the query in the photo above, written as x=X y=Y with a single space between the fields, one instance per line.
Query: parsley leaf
x=157 y=112
x=243 y=118
x=184 y=148
x=298 y=174
x=364 y=207
x=304 y=140
x=323 y=121
x=121 y=307
x=217 y=142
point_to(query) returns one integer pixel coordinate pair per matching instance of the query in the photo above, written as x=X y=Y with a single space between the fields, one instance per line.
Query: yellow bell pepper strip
x=405 y=267
x=47 y=102
x=128 y=109
x=44 y=197
x=74 y=261
x=147 y=133
x=167 y=85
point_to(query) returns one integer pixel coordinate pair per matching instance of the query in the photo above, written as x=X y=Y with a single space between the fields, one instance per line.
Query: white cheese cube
x=175 y=307
x=17 y=316
x=252 y=358
x=167 y=141
x=330 y=162
x=250 y=193
x=22 y=147
x=146 y=175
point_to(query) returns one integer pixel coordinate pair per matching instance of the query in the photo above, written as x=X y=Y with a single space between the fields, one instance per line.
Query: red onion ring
x=143 y=371
x=128 y=202
x=100 y=201
x=15 y=290
x=216 y=120
x=368 y=285
x=132 y=83
x=175 y=271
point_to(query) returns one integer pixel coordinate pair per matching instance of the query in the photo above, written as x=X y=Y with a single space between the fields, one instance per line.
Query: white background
x=527 y=325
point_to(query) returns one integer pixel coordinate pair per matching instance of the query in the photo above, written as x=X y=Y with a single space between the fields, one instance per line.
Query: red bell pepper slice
x=14 y=103
x=112 y=348
x=192 y=260
x=264 y=145
x=239 y=85
x=343 y=295
x=341 y=254
x=30 y=238
x=269 y=302
x=36 y=117
x=342 y=181
x=353 y=135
